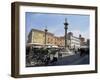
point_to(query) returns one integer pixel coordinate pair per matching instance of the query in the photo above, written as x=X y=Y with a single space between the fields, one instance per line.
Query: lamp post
x=66 y=28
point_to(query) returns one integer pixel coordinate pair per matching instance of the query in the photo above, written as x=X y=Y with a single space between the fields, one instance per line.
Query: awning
x=84 y=47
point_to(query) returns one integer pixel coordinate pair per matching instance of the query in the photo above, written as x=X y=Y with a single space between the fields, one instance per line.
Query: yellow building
x=38 y=37
x=50 y=38
x=61 y=41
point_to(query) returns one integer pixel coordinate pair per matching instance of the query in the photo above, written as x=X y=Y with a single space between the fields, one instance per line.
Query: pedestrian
x=81 y=52
x=75 y=52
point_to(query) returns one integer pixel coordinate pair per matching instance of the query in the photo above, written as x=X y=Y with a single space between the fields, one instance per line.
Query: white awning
x=38 y=44
x=34 y=44
x=84 y=47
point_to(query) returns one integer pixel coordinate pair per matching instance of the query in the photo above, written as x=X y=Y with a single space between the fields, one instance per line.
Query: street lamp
x=66 y=27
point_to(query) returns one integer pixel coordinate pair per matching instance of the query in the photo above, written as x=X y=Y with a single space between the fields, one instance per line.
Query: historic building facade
x=38 y=37
x=82 y=40
x=73 y=41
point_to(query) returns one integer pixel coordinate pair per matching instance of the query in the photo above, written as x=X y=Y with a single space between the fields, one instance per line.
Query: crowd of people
x=42 y=56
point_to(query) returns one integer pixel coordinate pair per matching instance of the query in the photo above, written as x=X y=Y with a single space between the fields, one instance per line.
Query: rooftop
x=42 y=31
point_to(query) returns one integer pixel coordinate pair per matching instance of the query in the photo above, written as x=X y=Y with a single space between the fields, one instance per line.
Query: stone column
x=66 y=28
x=45 y=35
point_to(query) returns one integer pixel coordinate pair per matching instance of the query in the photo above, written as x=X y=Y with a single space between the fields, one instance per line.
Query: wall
x=5 y=40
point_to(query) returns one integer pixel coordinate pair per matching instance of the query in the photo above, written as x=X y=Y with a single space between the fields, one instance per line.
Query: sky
x=78 y=24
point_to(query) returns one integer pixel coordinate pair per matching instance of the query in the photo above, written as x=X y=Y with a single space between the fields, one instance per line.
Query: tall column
x=45 y=35
x=66 y=27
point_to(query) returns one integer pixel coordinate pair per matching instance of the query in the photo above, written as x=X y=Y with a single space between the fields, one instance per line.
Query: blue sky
x=78 y=24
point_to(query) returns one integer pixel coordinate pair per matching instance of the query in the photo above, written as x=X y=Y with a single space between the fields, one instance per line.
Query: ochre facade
x=38 y=36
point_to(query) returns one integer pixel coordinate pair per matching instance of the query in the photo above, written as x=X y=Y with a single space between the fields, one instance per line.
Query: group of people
x=47 y=56
x=41 y=55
